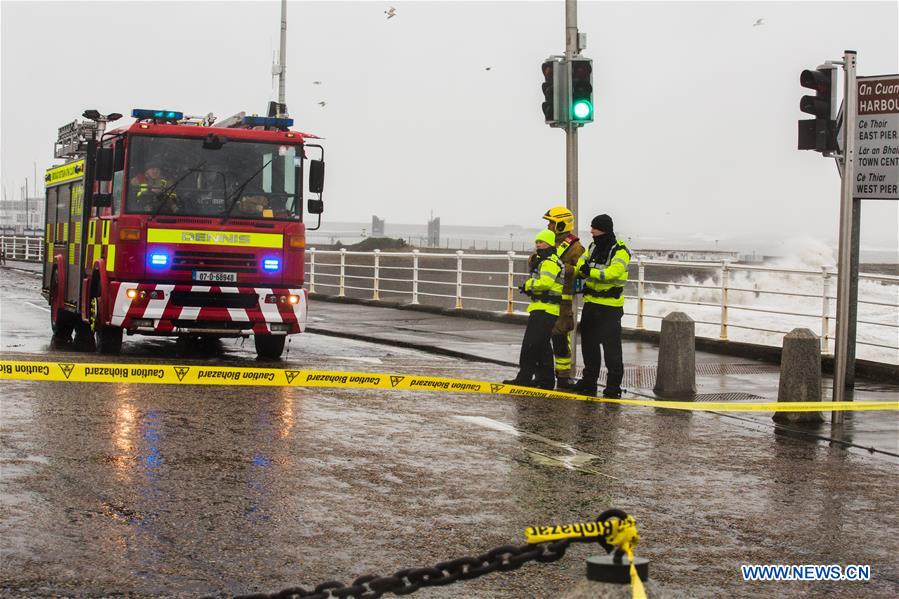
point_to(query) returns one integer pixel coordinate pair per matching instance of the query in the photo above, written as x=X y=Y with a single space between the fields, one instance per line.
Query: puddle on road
x=573 y=459
x=357 y=359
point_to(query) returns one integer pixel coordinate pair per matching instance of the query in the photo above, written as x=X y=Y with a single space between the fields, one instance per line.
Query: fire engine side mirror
x=102 y=200
x=315 y=206
x=316 y=177
x=119 y=162
x=104 y=164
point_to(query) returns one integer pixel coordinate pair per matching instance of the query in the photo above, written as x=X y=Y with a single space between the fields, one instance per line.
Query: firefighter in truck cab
x=150 y=183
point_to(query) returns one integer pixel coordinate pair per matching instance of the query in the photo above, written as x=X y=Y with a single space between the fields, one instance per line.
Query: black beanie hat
x=603 y=223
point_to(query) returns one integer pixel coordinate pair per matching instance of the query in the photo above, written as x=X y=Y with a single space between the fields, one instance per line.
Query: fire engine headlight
x=131 y=294
x=272 y=298
x=271 y=264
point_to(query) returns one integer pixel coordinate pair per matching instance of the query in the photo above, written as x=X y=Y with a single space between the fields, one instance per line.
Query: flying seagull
x=316 y=83
x=486 y=68
x=759 y=22
x=322 y=103
x=390 y=13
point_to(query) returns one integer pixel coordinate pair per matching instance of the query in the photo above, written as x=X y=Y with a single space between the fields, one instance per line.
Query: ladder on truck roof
x=71 y=141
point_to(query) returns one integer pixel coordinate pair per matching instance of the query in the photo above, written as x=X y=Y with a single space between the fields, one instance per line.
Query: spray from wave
x=765 y=305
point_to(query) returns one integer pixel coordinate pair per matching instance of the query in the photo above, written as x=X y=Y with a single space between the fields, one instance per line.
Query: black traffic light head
x=819 y=134
x=554 y=91
x=581 y=105
x=549 y=109
x=823 y=81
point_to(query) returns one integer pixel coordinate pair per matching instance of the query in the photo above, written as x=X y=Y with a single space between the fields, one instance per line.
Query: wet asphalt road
x=170 y=490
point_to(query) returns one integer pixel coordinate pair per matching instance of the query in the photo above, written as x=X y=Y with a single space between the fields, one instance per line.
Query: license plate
x=215 y=277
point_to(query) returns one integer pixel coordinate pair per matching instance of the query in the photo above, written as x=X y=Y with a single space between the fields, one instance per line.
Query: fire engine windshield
x=236 y=179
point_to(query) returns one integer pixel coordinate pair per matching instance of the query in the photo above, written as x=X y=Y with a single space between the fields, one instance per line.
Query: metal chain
x=409 y=580
x=404 y=582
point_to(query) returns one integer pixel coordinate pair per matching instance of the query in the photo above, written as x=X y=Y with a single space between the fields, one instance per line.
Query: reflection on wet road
x=174 y=490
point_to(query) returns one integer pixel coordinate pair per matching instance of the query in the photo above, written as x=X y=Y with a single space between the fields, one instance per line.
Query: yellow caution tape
x=579 y=530
x=170 y=374
x=625 y=536
x=619 y=533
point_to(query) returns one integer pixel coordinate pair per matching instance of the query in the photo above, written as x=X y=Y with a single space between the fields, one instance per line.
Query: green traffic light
x=582 y=110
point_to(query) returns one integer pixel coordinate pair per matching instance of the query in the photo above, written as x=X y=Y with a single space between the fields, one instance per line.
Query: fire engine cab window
x=178 y=176
x=118 y=180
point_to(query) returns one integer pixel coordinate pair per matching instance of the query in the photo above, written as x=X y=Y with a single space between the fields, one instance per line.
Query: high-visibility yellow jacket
x=146 y=185
x=605 y=285
x=545 y=285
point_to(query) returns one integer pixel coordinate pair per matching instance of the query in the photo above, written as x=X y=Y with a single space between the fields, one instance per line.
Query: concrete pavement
x=164 y=490
x=497 y=341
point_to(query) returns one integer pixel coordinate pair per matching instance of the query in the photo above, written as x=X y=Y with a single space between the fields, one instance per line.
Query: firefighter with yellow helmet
x=545 y=288
x=569 y=250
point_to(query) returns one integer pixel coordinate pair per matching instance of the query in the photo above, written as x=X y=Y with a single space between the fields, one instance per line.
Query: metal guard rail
x=504 y=281
x=334 y=265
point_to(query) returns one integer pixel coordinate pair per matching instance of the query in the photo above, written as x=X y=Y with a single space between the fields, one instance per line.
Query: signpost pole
x=571 y=158
x=853 y=292
x=844 y=268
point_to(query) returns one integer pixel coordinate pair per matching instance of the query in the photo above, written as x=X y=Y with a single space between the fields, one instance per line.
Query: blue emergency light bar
x=159 y=259
x=271 y=264
x=267 y=121
x=165 y=115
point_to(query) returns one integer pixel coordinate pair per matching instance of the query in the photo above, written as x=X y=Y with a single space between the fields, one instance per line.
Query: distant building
x=21 y=216
x=377 y=226
x=434 y=232
x=752 y=258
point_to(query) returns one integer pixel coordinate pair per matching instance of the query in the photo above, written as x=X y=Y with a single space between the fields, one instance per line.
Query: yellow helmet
x=546 y=236
x=561 y=218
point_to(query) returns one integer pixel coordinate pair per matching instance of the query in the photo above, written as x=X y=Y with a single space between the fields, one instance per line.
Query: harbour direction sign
x=877 y=139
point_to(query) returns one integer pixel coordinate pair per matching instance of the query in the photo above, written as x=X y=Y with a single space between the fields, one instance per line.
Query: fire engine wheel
x=62 y=322
x=108 y=339
x=269 y=346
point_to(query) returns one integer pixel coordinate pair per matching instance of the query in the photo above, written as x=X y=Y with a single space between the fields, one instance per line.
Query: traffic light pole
x=571 y=49
x=844 y=268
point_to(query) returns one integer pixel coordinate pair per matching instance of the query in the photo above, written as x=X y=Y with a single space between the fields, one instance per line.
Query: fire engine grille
x=214 y=261
x=199 y=299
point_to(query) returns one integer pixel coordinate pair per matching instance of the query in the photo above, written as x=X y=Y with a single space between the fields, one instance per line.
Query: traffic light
x=581 y=105
x=554 y=91
x=819 y=134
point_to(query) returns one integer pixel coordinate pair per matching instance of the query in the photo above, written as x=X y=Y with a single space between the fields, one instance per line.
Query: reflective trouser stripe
x=562 y=354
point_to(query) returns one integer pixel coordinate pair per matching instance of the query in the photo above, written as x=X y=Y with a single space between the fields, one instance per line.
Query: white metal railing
x=732 y=300
x=20 y=247
x=737 y=300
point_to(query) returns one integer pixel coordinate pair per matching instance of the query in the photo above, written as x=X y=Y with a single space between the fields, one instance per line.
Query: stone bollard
x=676 y=374
x=800 y=376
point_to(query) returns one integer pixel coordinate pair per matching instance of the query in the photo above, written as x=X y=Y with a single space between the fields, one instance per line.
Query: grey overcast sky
x=695 y=132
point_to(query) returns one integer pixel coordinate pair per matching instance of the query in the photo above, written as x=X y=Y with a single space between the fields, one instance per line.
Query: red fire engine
x=177 y=226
